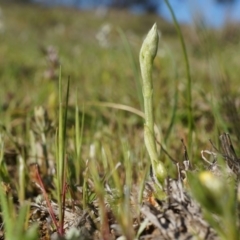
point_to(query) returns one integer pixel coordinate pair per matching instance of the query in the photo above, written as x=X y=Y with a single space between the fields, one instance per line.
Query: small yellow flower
x=212 y=183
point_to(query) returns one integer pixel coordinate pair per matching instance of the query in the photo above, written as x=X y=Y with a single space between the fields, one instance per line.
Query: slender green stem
x=78 y=140
x=61 y=166
x=22 y=186
x=147 y=54
x=189 y=80
x=60 y=157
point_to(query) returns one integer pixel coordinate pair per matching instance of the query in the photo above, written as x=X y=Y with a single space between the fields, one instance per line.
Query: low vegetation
x=95 y=145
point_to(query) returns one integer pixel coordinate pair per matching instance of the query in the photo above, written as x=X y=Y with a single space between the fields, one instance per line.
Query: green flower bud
x=160 y=172
x=150 y=45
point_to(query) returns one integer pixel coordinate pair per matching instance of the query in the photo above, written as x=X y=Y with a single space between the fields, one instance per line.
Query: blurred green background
x=99 y=51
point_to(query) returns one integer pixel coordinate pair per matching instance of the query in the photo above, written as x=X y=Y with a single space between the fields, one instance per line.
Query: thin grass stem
x=189 y=80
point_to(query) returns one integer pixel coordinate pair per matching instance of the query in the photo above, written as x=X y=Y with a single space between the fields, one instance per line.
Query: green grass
x=96 y=140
